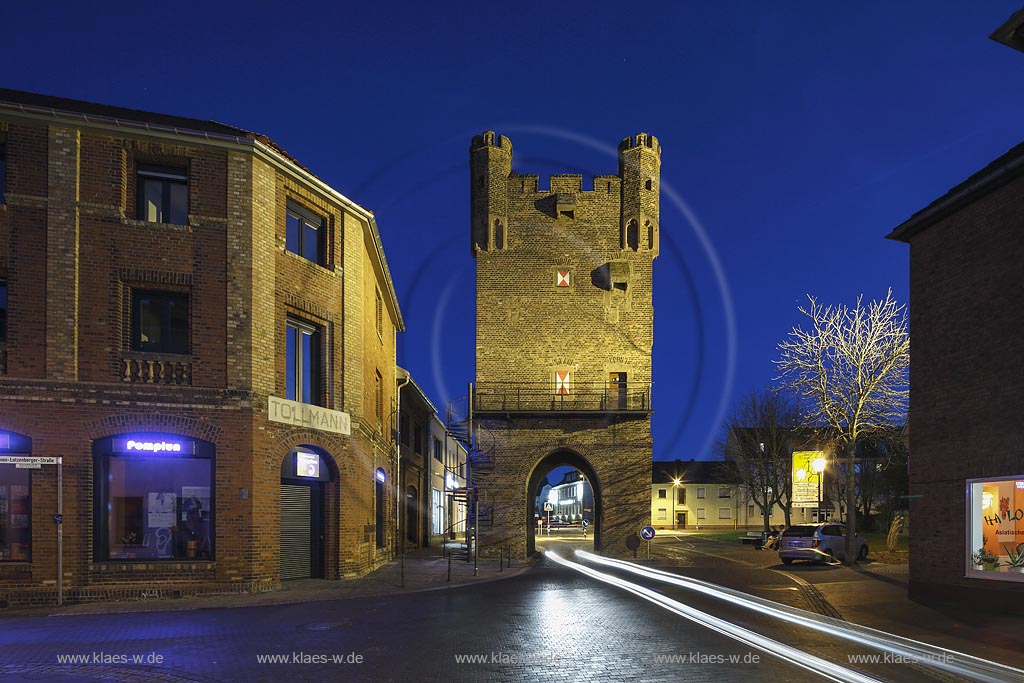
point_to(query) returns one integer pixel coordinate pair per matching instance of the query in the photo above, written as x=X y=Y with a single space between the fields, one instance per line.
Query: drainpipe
x=398 y=459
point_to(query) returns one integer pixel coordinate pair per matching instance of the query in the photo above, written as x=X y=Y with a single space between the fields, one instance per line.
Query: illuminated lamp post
x=818 y=465
x=676 y=483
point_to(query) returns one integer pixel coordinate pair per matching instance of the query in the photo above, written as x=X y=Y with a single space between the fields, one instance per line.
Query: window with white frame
x=725 y=513
x=662 y=513
x=701 y=513
x=701 y=492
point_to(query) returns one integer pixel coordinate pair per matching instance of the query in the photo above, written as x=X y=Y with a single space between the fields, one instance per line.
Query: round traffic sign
x=647 y=533
x=586 y=523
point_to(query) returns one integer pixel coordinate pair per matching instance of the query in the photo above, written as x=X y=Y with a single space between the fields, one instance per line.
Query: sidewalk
x=425 y=570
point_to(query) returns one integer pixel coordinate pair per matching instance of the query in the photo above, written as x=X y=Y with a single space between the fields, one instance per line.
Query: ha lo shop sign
x=305 y=415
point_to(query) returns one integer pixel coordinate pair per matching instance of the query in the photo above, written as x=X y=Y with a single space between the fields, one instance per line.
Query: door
x=617 y=390
x=681 y=520
x=302 y=533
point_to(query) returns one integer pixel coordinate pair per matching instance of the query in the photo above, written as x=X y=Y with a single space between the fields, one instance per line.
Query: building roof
x=44 y=107
x=694 y=472
x=1011 y=32
x=997 y=173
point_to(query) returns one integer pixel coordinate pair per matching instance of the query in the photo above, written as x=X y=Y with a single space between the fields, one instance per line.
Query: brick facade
x=563 y=285
x=72 y=251
x=966 y=291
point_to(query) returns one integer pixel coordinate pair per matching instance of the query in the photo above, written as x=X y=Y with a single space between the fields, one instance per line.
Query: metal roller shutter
x=295 y=532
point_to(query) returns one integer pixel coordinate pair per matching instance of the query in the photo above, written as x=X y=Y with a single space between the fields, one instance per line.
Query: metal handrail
x=542 y=396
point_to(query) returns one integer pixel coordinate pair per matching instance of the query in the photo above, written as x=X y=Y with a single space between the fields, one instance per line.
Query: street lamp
x=818 y=465
x=676 y=483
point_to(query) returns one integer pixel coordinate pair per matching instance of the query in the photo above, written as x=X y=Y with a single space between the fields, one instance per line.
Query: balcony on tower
x=563 y=395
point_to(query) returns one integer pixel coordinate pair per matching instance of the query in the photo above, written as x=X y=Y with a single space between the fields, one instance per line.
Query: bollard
x=501 y=560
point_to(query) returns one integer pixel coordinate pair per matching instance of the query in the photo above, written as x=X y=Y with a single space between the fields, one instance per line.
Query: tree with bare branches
x=759 y=437
x=850 y=371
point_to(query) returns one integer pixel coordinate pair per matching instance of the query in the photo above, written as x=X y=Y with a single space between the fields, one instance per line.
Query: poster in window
x=161 y=510
x=307 y=465
x=200 y=501
x=19 y=521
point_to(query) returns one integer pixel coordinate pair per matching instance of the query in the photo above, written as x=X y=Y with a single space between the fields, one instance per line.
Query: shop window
x=153 y=498
x=996 y=528
x=438 y=516
x=160 y=322
x=15 y=514
x=302 y=365
x=304 y=233
x=162 y=194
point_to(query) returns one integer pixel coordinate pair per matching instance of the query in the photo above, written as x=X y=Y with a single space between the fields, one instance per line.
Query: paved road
x=551 y=623
x=567 y=626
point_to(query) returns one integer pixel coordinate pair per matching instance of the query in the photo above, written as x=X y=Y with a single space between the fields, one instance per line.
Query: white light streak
x=785 y=652
x=961 y=664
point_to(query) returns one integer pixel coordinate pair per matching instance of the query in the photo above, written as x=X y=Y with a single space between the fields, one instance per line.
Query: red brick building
x=204 y=332
x=966 y=399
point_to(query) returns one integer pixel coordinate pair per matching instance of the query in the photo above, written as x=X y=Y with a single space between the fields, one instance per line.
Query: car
x=825 y=542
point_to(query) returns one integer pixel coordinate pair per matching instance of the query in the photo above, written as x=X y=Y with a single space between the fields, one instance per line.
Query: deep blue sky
x=795 y=134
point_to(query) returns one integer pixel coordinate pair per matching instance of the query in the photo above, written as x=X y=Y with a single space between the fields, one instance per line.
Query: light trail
x=952 y=661
x=791 y=655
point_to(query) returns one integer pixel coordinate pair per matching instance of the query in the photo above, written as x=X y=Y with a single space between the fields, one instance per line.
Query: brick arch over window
x=143 y=422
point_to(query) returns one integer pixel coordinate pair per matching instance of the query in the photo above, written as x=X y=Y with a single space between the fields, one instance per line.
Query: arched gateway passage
x=559 y=458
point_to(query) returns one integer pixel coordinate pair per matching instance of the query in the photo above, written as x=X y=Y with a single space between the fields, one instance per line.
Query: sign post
x=647 y=533
x=548 y=507
x=36 y=462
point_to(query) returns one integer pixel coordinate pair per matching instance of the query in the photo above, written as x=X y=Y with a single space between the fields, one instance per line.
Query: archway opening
x=563 y=504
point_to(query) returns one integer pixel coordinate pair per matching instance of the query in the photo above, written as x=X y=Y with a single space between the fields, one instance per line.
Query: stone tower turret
x=640 y=170
x=490 y=163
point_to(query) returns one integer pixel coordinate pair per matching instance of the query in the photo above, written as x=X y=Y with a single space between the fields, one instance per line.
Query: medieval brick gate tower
x=564 y=331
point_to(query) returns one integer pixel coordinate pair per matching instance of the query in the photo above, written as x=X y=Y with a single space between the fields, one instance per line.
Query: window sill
x=997 y=575
x=302 y=259
x=137 y=222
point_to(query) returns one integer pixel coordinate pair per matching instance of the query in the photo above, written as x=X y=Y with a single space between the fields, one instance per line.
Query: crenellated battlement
x=491 y=139
x=640 y=140
x=529 y=183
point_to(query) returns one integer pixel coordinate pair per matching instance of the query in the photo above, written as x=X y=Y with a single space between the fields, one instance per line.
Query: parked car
x=824 y=542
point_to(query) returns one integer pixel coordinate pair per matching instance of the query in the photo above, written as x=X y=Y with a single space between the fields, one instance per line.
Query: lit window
x=302 y=366
x=995 y=509
x=162 y=195
x=154 y=505
x=15 y=514
x=304 y=233
x=160 y=322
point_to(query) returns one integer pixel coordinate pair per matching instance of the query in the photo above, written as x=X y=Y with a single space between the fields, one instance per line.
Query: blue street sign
x=647 y=533
x=586 y=523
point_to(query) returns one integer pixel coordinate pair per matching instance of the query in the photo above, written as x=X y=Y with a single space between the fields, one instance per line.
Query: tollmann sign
x=304 y=415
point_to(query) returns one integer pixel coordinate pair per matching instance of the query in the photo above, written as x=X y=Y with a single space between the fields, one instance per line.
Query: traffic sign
x=58 y=519
x=586 y=523
x=647 y=533
x=548 y=507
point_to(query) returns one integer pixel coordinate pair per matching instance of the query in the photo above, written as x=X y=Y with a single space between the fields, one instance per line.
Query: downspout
x=398 y=456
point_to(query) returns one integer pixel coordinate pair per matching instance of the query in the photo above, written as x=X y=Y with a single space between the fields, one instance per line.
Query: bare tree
x=850 y=370
x=758 y=438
